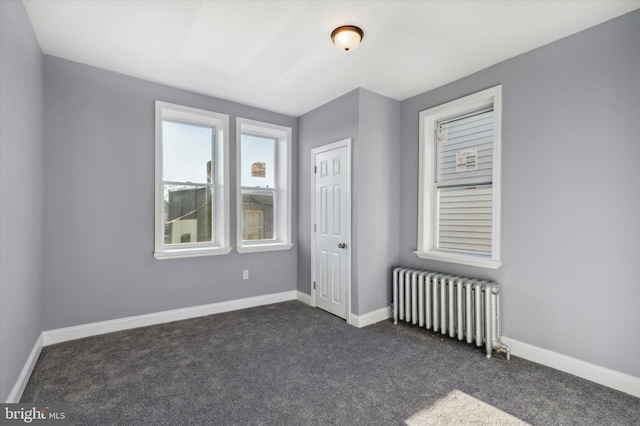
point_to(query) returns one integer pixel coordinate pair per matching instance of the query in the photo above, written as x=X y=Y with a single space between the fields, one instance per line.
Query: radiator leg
x=505 y=348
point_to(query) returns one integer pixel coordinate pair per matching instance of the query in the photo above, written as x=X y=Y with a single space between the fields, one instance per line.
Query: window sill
x=264 y=247
x=194 y=252
x=459 y=259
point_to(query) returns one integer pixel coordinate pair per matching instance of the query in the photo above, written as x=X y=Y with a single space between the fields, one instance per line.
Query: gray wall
x=21 y=186
x=377 y=160
x=99 y=228
x=372 y=121
x=571 y=193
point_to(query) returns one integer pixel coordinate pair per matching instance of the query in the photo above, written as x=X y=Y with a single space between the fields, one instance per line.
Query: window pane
x=465 y=218
x=187 y=214
x=187 y=152
x=465 y=149
x=257 y=215
x=258 y=161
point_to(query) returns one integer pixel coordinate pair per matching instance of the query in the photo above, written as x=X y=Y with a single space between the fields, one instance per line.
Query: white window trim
x=221 y=158
x=283 y=184
x=427 y=197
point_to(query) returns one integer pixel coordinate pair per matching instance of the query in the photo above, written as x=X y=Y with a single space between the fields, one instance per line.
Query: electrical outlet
x=245 y=274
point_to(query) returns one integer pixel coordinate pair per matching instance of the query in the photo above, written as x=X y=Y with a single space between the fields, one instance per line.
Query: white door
x=332 y=227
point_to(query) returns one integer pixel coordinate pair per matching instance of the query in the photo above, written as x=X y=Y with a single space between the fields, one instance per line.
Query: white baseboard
x=369 y=318
x=358 y=321
x=25 y=374
x=601 y=375
x=93 y=329
x=304 y=298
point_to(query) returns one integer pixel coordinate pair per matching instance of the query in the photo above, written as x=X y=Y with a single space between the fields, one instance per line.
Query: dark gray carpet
x=289 y=364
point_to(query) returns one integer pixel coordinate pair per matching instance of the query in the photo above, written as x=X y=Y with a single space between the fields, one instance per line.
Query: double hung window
x=264 y=201
x=191 y=171
x=459 y=207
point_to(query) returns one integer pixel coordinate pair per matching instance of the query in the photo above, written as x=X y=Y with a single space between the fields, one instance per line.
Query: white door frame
x=340 y=144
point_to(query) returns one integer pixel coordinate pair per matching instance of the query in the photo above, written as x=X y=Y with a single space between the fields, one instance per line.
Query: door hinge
x=315 y=169
x=315 y=228
x=314 y=285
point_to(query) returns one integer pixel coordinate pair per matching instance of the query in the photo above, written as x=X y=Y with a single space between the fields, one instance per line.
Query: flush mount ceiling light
x=347 y=37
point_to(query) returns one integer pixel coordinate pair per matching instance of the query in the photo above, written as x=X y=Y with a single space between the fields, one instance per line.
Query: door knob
x=342 y=245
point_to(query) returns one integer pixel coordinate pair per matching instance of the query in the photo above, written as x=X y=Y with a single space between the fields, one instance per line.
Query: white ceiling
x=278 y=55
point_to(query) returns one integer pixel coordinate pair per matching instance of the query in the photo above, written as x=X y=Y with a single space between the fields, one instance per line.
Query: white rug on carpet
x=458 y=408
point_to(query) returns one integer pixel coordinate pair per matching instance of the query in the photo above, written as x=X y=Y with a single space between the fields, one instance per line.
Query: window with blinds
x=459 y=206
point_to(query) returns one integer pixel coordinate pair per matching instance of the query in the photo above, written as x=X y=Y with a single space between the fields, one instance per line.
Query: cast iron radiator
x=461 y=307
